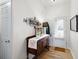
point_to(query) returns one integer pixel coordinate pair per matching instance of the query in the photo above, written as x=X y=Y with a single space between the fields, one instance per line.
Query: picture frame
x=74 y=23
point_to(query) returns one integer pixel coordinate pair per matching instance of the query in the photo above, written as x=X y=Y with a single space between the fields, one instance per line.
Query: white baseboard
x=72 y=54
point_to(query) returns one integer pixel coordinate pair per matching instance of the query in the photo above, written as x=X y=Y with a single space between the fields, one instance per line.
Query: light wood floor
x=54 y=54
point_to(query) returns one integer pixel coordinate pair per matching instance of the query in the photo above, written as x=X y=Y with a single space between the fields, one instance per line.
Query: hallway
x=51 y=22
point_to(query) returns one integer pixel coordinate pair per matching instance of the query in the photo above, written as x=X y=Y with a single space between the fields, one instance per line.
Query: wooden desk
x=41 y=44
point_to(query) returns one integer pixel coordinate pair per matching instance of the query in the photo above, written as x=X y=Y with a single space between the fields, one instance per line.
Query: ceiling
x=49 y=3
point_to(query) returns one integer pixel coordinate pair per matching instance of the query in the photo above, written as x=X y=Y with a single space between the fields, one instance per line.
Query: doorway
x=58 y=36
x=5 y=30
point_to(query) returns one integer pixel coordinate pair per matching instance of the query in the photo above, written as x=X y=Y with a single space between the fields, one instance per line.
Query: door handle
x=8 y=41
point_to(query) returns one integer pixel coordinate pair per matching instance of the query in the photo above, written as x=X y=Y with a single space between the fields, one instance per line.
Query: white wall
x=74 y=35
x=59 y=9
x=24 y=8
x=0 y=34
x=0 y=24
x=21 y=9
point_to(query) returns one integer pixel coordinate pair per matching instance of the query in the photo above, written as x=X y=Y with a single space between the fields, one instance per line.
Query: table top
x=33 y=41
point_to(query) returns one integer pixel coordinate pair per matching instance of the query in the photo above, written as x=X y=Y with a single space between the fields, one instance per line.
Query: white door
x=59 y=33
x=6 y=31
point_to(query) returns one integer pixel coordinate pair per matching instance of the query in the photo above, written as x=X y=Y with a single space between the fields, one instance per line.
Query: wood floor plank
x=55 y=54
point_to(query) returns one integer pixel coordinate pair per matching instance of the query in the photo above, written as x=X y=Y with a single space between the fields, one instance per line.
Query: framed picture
x=74 y=23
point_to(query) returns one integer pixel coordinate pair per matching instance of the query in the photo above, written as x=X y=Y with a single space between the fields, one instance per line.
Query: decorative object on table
x=38 y=31
x=46 y=28
x=32 y=21
x=74 y=23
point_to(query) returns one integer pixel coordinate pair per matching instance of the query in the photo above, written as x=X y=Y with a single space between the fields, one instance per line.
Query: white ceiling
x=49 y=3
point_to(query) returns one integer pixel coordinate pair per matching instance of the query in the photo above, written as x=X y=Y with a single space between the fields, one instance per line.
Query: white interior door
x=6 y=31
x=58 y=36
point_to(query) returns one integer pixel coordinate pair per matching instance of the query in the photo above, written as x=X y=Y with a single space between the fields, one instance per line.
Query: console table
x=36 y=45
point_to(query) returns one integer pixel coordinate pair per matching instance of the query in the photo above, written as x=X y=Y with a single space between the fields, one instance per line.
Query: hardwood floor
x=55 y=54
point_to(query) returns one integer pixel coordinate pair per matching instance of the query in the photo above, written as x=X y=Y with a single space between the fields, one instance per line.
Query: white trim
x=72 y=53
